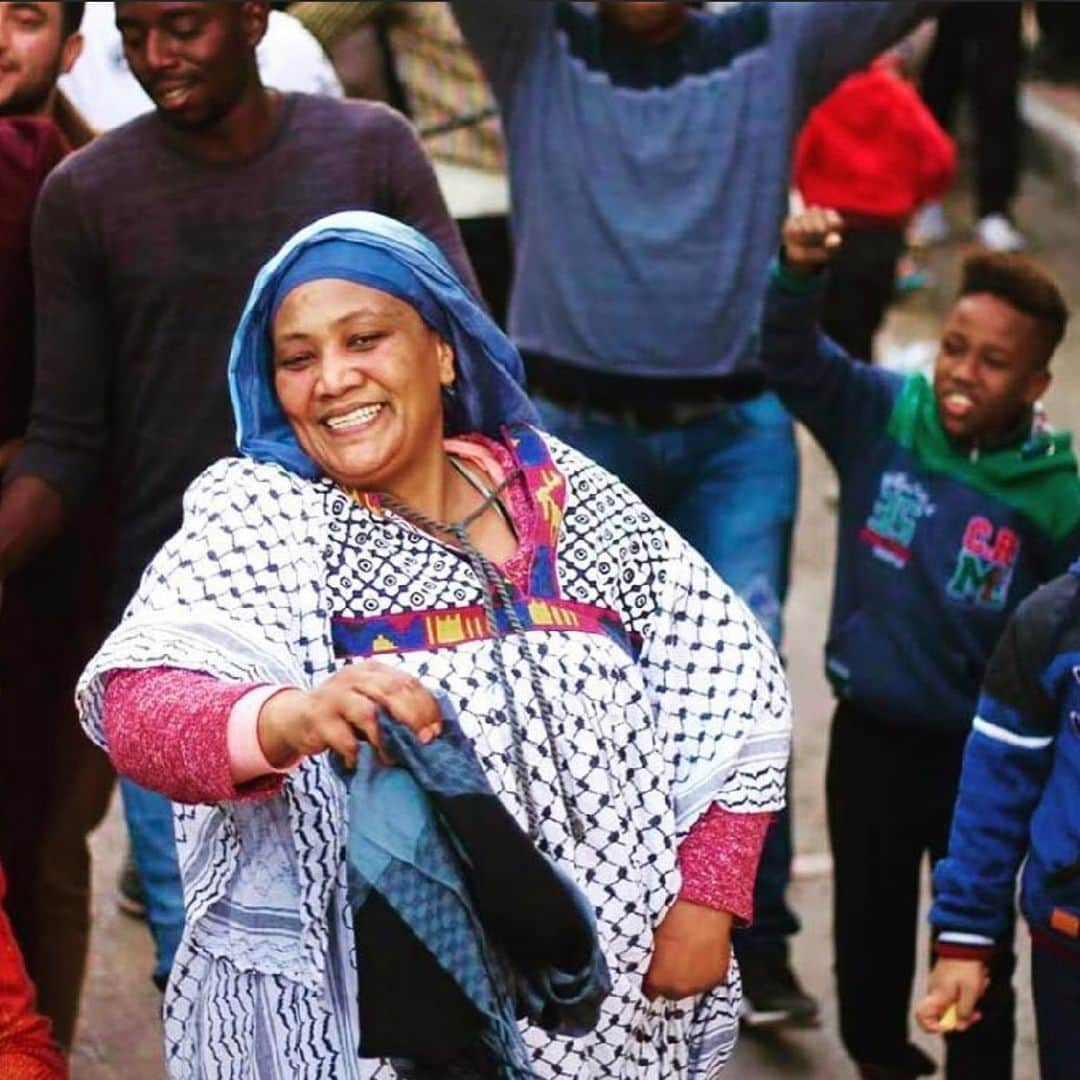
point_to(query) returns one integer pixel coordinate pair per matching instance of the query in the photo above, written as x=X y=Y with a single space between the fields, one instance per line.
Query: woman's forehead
x=325 y=301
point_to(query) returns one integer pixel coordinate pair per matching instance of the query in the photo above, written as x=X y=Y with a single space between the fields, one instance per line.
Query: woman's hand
x=953 y=982
x=337 y=714
x=691 y=952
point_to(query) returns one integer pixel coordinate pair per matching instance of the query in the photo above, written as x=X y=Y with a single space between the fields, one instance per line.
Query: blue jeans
x=1055 y=979
x=729 y=484
x=153 y=846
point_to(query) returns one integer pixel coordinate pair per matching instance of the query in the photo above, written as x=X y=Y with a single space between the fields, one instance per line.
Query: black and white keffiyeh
x=686 y=706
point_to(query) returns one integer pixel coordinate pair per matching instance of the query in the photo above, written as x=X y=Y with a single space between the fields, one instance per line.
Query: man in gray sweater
x=145 y=246
x=649 y=146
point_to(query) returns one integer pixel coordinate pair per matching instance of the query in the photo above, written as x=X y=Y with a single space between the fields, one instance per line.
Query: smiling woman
x=404 y=577
x=358 y=375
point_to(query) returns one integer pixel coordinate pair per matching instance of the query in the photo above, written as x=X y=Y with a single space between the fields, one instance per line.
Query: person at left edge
x=54 y=786
x=27 y=1051
x=143 y=246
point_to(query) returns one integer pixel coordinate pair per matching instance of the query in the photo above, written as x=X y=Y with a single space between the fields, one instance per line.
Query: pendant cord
x=495 y=594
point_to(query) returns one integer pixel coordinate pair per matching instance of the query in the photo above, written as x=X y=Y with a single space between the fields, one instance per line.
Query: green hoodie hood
x=1037 y=478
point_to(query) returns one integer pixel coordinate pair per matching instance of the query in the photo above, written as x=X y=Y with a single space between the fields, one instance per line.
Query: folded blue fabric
x=429 y=845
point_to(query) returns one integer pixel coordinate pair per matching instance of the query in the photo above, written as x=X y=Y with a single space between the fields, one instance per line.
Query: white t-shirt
x=103 y=89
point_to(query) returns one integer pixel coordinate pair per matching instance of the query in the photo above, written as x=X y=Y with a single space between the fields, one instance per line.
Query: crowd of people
x=398 y=496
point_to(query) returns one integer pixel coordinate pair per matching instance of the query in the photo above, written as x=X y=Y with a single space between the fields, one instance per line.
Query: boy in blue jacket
x=1019 y=797
x=954 y=506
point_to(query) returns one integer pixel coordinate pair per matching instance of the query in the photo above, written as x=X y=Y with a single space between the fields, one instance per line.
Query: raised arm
x=832 y=40
x=502 y=35
x=844 y=403
x=57 y=467
x=412 y=194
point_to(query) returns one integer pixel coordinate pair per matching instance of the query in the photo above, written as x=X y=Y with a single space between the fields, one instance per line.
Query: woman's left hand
x=691 y=952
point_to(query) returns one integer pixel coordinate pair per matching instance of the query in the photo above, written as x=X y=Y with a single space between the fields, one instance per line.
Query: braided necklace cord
x=494 y=591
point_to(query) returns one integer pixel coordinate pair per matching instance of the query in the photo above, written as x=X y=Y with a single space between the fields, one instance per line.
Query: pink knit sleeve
x=167 y=730
x=719 y=859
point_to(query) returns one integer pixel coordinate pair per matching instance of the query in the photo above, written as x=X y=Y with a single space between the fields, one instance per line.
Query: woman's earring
x=451 y=407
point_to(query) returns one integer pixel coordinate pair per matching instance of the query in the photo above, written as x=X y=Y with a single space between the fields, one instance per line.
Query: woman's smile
x=356 y=419
x=358 y=374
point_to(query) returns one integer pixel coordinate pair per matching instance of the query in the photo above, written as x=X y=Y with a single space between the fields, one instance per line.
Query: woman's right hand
x=344 y=709
x=953 y=982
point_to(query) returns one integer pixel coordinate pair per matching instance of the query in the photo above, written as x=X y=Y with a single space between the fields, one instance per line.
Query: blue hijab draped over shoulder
x=377 y=251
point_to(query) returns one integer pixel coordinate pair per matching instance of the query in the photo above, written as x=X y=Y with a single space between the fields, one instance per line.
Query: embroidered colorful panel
x=413 y=631
x=547 y=488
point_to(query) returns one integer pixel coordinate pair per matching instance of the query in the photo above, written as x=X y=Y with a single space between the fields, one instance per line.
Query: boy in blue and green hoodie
x=954 y=506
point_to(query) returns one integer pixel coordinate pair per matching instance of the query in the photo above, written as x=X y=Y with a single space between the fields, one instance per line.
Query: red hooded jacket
x=872 y=148
x=27 y=1051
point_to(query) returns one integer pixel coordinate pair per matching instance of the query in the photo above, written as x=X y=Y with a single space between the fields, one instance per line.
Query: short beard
x=215 y=113
x=32 y=100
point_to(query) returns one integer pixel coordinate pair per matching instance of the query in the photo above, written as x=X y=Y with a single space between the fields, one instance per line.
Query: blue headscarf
x=376 y=251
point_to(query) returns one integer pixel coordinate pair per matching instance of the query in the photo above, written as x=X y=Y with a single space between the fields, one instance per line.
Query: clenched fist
x=811 y=238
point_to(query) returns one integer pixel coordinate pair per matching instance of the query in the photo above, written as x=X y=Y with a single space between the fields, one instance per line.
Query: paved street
x=120 y=1032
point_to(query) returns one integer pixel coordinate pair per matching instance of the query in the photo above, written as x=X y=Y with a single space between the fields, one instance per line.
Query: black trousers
x=861 y=282
x=977 y=51
x=890 y=793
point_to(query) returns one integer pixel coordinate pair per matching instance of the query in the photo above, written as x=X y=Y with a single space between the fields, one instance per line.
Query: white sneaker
x=997 y=232
x=929 y=226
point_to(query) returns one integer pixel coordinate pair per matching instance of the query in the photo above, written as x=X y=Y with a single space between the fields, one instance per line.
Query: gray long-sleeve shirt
x=649 y=183
x=143 y=259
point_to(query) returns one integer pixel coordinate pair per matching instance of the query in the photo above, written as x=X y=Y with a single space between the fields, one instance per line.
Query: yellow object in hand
x=947 y=1022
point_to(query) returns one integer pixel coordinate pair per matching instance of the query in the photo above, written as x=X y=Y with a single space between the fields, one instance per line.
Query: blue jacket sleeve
x=1006 y=765
x=845 y=403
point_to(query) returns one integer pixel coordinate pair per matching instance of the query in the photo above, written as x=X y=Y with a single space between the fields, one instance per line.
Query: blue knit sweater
x=648 y=183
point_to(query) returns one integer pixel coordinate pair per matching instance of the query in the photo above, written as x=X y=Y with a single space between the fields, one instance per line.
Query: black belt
x=642 y=401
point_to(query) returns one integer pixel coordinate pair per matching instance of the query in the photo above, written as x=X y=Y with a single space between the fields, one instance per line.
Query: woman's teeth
x=357 y=418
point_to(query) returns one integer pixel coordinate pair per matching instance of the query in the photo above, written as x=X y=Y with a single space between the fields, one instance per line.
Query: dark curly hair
x=1025 y=285
x=71 y=16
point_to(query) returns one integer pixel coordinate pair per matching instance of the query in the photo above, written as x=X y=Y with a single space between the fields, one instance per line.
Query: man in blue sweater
x=649 y=146
x=954 y=506
x=1019 y=797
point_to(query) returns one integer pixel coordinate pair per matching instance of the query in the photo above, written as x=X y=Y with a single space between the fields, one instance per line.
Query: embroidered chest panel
x=394 y=589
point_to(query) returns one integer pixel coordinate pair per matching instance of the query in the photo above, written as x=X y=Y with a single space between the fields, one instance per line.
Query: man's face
x=650 y=20
x=194 y=59
x=33 y=55
x=990 y=367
